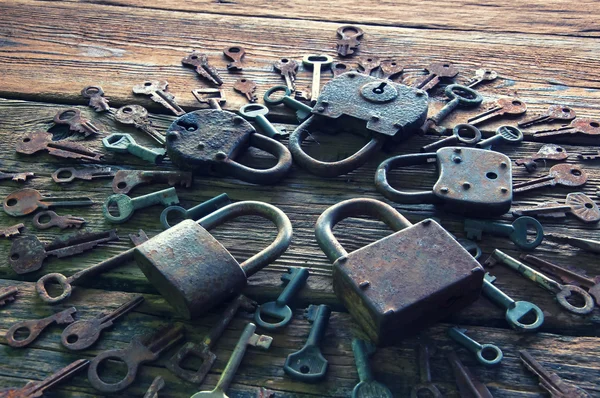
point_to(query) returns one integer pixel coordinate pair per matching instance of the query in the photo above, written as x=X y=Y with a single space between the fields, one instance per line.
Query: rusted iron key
x=214 y=97
x=468 y=385
x=425 y=375
x=25 y=201
x=568 y=175
x=48 y=219
x=349 y=39
x=367 y=387
x=203 y=350
x=503 y=106
x=126 y=180
x=390 y=68
x=35 y=327
x=554 y=113
x=137 y=116
x=157 y=384
x=200 y=62
x=96 y=96
x=8 y=294
x=19 y=177
x=435 y=73
x=458 y=97
x=366 y=65
x=156 y=89
x=235 y=54
x=577 y=203
x=82 y=334
x=13 y=230
x=69 y=174
x=481 y=76
x=585 y=244
x=461 y=134
x=337 y=68
x=247 y=88
x=72 y=118
x=546 y=152
x=288 y=69
x=42 y=141
x=140 y=350
x=580 y=125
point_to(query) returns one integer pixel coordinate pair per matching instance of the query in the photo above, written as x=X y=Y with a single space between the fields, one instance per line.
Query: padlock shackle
x=353 y=208
x=261 y=209
x=391 y=193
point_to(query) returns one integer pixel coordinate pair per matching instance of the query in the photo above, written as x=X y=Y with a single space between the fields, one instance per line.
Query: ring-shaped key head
x=272 y=102
x=55 y=278
x=92 y=91
x=65 y=115
x=467 y=133
x=258 y=113
x=118 y=142
x=508 y=134
x=124 y=205
x=519 y=234
x=465 y=96
x=252 y=111
x=520 y=310
x=489 y=355
x=567 y=291
x=129 y=114
x=273 y=310
x=164 y=216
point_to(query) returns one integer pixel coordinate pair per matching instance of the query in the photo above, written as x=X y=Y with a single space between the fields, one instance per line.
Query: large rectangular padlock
x=402 y=283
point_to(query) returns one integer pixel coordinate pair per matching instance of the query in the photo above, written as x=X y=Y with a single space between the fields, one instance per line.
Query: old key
x=509 y=134
x=425 y=375
x=258 y=113
x=366 y=65
x=157 y=384
x=487 y=354
x=82 y=334
x=13 y=230
x=482 y=75
x=554 y=113
x=516 y=232
x=137 y=116
x=568 y=175
x=34 y=327
x=590 y=245
x=126 y=180
x=124 y=143
x=546 y=152
x=337 y=68
x=436 y=71
x=577 y=203
x=288 y=69
x=461 y=133
x=19 y=177
x=458 y=96
x=317 y=63
x=42 y=141
x=200 y=62
x=302 y=111
x=68 y=174
x=127 y=206
x=48 y=219
x=156 y=89
x=8 y=294
x=25 y=201
x=235 y=54
x=368 y=386
x=246 y=87
x=468 y=385
x=390 y=68
x=504 y=106
x=72 y=118
x=96 y=96
x=349 y=39
x=196 y=212
x=580 y=125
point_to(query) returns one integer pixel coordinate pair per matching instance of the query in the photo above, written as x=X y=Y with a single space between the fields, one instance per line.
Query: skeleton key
x=504 y=106
x=200 y=62
x=302 y=111
x=516 y=232
x=27 y=253
x=546 y=152
x=36 y=389
x=279 y=309
x=8 y=294
x=580 y=125
x=551 y=382
x=42 y=141
x=509 y=134
x=13 y=230
x=156 y=89
x=554 y=113
x=82 y=334
x=247 y=338
x=203 y=350
x=468 y=385
x=36 y=326
x=124 y=143
x=368 y=386
x=137 y=116
x=126 y=180
x=577 y=203
x=54 y=220
x=317 y=63
x=140 y=350
x=436 y=71
x=72 y=118
x=390 y=68
x=348 y=41
x=568 y=175
x=481 y=351
x=196 y=212
x=458 y=96
x=425 y=375
x=96 y=96
x=288 y=69
x=339 y=67
x=461 y=133
x=25 y=201
x=235 y=54
x=308 y=364
x=258 y=113
x=127 y=206
x=482 y=75
x=157 y=384
x=19 y=177
x=68 y=174
x=246 y=87
x=214 y=97
x=585 y=244
x=366 y=65
x=562 y=291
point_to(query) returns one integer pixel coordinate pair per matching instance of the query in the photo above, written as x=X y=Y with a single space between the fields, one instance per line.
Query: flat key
x=258 y=113
x=127 y=206
x=27 y=254
x=425 y=386
x=69 y=174
x=288 y=69
x=96 y=96
x=82 y=334
x=214 y=97
x=348 y=41
x=318 y=63
x=340 y=67
x=156 y=89
x=481 y=351
x=390 y=69
x=546 y=152
x=196 y=212
x=35 y=327
x=203 y=350
x=235 y=54
x=482 y=76
x=516 y=232
x=124 y=143
x=18 y=177
x=590 y=245
x=157 y=384
x=461 y=134
x=502 y=107
x=25 y=201
x=308 y=364
x=435 y=73
x=554 y=113
x=42 y=141
x=458 y=96
x=568 y=175
x=203 y=68
x=48 y=219
x=580 y=125
x=504 y=134
x=126 y=180
x=141 y=349
x=7 y=294
x=468 y=385
x=137 y=116
x=302 y=111
x=72 y=118
x=13 y=230
x=366 y=65
x=589 y=155
x=368 y=387
x=279 y=309
x=247 y=88
x=577 y=204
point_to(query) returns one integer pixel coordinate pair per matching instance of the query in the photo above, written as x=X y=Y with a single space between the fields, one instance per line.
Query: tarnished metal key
x=96 y=96
x=140 y=350
x=569 y=175
x=468 y=385
x=337 y=68
x=48 y=219
x=200 y=62
x=589 y=155
x=42 y=141
x=318 y=63
x=503 y=106
x=581 y=125
x=247 y=88
x=546 y=152
x=126 y=206
x=349 y=39
x=68 y=174
x=554 y=113
x=25 y=201
x=458 y=96
x=487 y=354
x=124 y=143
x=585 y=244
x=194 y=213
x=82 y=334
x=247 y=338
x=19 y=177
x=461 y=134
x=504 y=134
x=35 y=327
x=366 y=65
x=368 y=387
x=516 y=232
x=13 y=230
x=156 y=89
x=214 y=97
x=288 y=69
x=126 y=180
x=137 y=116
x=435 y=73
x=258 y=113
x=425 y=385
x=235 y=54
x=72 y=118
x=577 y=204
x=8 y=294
x=481 y=76
x=157 y=384
x=390 y=68
x=302 y=111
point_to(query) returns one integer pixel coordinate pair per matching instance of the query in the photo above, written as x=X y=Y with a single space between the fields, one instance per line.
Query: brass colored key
x=349 y=39
x=436 y=72
x=42 y=141
x=318 y=63
x=568 y=175
x=577 y=204
x=481 y=76
x=247 y=88
x=554 y=113
x=72 y=118
x=36 y=326
x=235 y=54
x=137 y=116
x=157 y=90
x=503 y=106
x=200 y=62
x=25 y=201
x=96 y=96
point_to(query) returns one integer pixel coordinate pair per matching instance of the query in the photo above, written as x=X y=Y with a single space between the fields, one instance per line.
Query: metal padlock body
x=398 y=285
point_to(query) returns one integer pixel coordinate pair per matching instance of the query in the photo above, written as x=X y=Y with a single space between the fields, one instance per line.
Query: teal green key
x=487 y=354
x=303 y=111
x=126 y=206
x=194 y=213
x=258 y=113
x=124 y=143
x=516 y=232
x=368 y=386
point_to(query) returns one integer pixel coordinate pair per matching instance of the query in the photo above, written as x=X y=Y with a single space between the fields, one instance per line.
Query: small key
x=568 y=175
x=258 y=113
x=366 y=65
x=563 y=292
x=288 y=69
x=435 y=73
x=585 y=244
x=339 y=67
x=141 y=349
x=458 y=96
x=318 y=63
x=516 y=232
x=295 y=279
x=580 y=125
x=482 y=75
x=551 y=382
x=247 y=338
x=127 y=206
x=96 y=96
x=36 y=326
x=124 y=143
x=349 y=39
x=68 y=174
x=368 y=387
x=468 y=385
x=8 y=294
x=504 y=134
x=137 y=116
x=13 y=230
x=214 y=97
x=194 y=213
x=157 y=384
x=42 y=141
x=481 y=351
x=577 y=203
x=19 y=177
x=54 y=220
x=36 y=389
x=461 y=133
x=25 y=201
x=72 y=118
x=27 y=253
x=203 y=349
x=425 y=386
x=554 y=113
x=126 y=180
x=546 y=152
x=308 y=364
x=82 y=334
x=235 y=54
x=246 y=87
x=390 y=68
x=503 y=106
x=302 y=95
x=156 y=89
x=302 y=111
x=200 y=62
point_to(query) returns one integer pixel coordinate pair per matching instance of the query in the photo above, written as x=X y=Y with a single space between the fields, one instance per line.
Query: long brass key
x=318 y=63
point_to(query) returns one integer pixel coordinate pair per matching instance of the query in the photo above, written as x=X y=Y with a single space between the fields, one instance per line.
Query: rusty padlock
x=404 y=282
x=193 y=271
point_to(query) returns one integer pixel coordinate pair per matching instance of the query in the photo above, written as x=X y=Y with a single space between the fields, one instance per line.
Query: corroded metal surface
x=42 y=141
x=126 y=180
x=37 y=326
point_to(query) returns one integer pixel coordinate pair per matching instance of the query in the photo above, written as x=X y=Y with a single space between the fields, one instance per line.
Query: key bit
x=157 y=384
x=8 y=294
x=288 y=69
x=468 y=385
x=577 y=204
x=54 y=220
x=589 y=155
x=568 y=175
x=25 y=201
x=214 y=97
x=42 y=141
x=157 y=90
x=68 y=174
x=366 y=65
x=96 y=96
x=554 y=113
x=235 y=54
x=246 y=87
x=581 y=125
x=36 y=326
x=349 y=39
x=137 y=116
x=19 y=177
x=126 y=180
x=13 y=230
x=72 y=118
x=585 y=244
x=200 y=62
x=481 y=76
x=546 y=152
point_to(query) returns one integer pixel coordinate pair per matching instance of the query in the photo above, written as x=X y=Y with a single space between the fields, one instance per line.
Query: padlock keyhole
x=380 y=89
